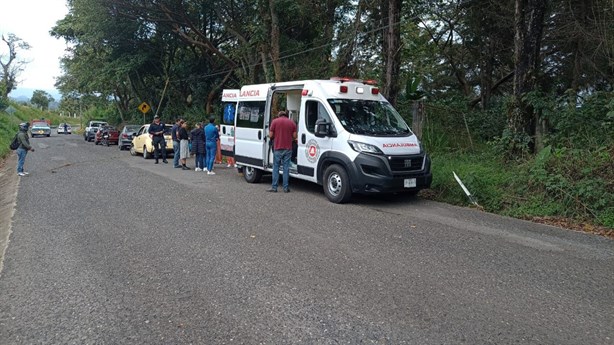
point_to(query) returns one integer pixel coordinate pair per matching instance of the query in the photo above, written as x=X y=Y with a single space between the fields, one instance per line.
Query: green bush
x=573 y=177
x=582 y=181
x=494 y=185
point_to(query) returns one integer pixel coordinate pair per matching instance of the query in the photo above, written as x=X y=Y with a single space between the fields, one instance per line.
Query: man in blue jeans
x=283 y=133
x=211 y=138
x=176 y=143
x=24 y=147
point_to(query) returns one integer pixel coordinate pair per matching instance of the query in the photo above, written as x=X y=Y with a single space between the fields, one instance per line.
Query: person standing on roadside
x=184 y=150
x=156 y=130
x=198 y=147
x=212 y=137
x=24 y=147
x=283 y=133
x=176 y=143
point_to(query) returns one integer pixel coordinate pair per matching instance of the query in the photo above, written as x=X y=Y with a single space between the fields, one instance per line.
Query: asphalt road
x=111 y=249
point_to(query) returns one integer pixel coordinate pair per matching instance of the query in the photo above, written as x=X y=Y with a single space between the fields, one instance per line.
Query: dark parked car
x=106 y=135
x=126 y=135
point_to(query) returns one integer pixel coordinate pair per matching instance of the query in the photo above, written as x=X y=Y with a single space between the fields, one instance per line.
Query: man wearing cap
x=24 y=147
x=283 y=133
x=156 y=130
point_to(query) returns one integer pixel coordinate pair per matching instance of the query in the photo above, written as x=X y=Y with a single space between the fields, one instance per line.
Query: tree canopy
x=41 y=99
x=177 y=55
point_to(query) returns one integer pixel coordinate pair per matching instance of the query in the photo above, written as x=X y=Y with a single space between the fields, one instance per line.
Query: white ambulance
x=350 y=139
x=230 y=98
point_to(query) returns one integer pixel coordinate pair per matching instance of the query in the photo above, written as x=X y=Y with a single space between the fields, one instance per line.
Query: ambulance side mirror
x=322 y=128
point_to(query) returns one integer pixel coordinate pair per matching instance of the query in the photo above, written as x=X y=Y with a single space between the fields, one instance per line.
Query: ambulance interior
x=290 y=101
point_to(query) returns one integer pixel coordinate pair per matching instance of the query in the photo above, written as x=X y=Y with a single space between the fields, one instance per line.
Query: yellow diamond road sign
x=144 y=107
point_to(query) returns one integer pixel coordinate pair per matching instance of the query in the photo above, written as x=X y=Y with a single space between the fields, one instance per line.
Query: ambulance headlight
x=364 y=148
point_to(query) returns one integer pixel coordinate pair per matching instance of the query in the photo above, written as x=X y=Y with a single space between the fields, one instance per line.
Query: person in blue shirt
x=156 y=130
x=211 y=138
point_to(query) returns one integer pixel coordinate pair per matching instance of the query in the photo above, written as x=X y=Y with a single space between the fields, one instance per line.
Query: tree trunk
x=417 y=110
x=345 y=65
x=212 y=94
x=392 y=47
x=528 y=25
x=275 y=42
x=486 y=74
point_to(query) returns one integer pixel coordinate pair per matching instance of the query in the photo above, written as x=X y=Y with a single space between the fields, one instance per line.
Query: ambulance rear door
x=227 y=121
x=250 y=134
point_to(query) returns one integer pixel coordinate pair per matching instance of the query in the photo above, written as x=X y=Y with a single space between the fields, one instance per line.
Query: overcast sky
x=31 y=20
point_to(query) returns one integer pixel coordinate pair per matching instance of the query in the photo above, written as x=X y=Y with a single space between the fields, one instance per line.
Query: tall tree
x=11 y=64
x=392 y=49
x=41 y=99
x=528 y=28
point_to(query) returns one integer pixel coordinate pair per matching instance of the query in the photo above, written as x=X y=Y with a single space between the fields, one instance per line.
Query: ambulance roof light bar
x=346 y=79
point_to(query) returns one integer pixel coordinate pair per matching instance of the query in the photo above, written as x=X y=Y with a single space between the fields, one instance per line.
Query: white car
x=62 y=130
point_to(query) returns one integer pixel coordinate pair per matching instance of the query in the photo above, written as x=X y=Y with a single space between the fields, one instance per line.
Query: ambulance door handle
x=259 y=135
x=303 y=138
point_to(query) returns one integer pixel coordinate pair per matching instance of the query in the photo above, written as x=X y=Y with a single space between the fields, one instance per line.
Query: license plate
x=409 y=183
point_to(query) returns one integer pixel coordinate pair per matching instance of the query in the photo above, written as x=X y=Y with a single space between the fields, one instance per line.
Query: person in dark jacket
x=184 y=151
x=156 y=129
x=198 y=146
x=24 y=147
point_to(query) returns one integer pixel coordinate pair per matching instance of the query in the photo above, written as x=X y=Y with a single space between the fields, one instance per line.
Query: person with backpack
x=24 y=146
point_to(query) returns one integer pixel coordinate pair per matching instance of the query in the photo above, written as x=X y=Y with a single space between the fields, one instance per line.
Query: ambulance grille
x=403 y=164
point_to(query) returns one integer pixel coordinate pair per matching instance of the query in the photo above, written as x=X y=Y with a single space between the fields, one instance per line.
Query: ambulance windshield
x=374 y=118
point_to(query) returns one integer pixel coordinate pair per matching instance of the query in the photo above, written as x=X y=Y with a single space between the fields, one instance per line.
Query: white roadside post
x=471 y=198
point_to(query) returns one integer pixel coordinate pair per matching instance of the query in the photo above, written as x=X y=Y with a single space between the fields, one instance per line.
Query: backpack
x=15 y=143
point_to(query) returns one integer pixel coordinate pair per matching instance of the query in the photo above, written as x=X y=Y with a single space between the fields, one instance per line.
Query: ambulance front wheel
x=252 y=175
x=337 y=184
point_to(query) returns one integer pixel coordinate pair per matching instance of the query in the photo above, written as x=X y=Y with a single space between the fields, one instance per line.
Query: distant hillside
x=24 y=94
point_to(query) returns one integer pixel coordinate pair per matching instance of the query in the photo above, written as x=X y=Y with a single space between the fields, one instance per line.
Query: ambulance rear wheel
x=337 y=184
x=252 y=175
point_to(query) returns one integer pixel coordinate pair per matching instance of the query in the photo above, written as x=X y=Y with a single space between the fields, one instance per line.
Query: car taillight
x=124 y=135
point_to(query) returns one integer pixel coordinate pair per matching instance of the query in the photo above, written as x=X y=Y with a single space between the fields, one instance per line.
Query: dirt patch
x=9 y=182
x=575 y=225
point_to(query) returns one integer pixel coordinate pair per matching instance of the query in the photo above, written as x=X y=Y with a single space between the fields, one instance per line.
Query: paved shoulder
x=9 y=182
